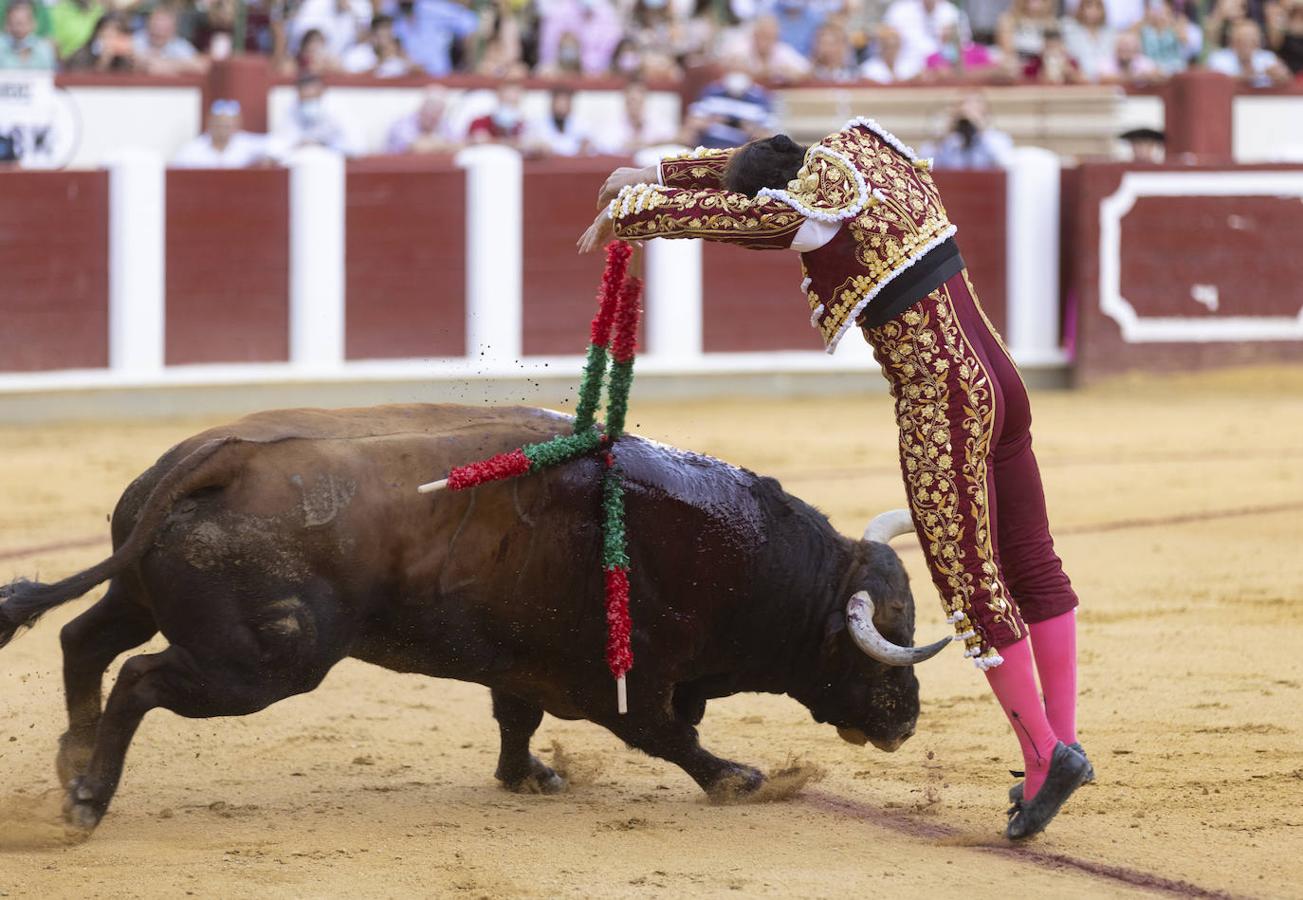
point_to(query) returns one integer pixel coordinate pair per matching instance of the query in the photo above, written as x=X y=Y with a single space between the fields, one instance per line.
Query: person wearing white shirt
x=889 y=64
x=1246 y=59
x=635 y=130
x=427 y=130
x=921 y=23
x=223 y=145
x=380 y=54
x=339 y=21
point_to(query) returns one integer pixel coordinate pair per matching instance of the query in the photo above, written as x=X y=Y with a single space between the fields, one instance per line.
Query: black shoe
x=1015 y=792
x=1067 y=773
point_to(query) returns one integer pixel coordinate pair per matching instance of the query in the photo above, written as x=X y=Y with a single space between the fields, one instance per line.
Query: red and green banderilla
x=610 y=357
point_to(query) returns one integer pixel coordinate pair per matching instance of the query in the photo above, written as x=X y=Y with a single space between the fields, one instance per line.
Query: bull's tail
x=23 y=602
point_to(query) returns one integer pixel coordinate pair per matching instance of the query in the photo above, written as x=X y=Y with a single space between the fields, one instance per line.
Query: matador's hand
x=623 y=177
x=599 y=234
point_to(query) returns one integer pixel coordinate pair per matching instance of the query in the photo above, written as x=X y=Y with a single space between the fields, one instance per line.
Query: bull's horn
x=888 y=525
x=859 y=616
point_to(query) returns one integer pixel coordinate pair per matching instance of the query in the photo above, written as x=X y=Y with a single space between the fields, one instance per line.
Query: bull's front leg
x=518 y=769
x=659 y=731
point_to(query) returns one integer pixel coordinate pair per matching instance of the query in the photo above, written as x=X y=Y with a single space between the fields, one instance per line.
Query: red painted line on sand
x=933 y=831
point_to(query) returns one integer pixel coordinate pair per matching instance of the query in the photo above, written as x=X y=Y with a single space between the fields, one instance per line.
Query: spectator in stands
x=767 y=57
x=958 y=58
x=1130 y=65
x=380 y=54
x=310 y=123
x=594 y=24
x=501 y=46
x=341 y=24
x=568 y=62
x=216 y=25
x=72 y=22
x=656 y=36
x=1090 y=41
x=730 y=111
x=314 y=56
x=1168 y=38
x=635 y=130
x=971 y=143
x=1246 y=58
x=223 y=145
x=161 y=51
x=109 y=49
x=1055 y=65
x=40 y=12
x=920 y=24
x=1121 y=15
x=889 y=64
x=427 y=30
x=1288 y=42
x=427 y=130
x=506 y=123
x=799 y=22
x=1146 y=145
x=558 y=132
x=1218 y=23
x=20 y=46
x=1021 y=30
x=833 y=59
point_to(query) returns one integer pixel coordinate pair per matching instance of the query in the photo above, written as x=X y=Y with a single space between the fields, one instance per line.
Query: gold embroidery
x=919 y=348
x=680 y=213
x=905 y=218
x=826 y=184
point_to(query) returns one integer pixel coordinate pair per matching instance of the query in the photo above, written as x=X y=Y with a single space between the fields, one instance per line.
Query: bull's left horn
x=888 y=525
x=859 y=616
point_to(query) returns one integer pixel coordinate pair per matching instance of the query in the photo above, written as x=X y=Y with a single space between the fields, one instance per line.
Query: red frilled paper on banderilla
x=613 y=337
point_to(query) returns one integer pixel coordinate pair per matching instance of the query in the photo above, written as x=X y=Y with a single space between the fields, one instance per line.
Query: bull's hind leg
x=518 y=769
x=91 y=642
x=228 y=677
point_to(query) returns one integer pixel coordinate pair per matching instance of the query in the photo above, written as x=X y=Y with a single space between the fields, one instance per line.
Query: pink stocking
x=1014 y=684
x=1055 y=644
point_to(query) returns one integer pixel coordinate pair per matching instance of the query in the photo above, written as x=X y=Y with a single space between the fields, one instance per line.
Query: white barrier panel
x=1032 y=252
x=136 y=263
x=317 y=259
x=674 y=301
x=494 y=253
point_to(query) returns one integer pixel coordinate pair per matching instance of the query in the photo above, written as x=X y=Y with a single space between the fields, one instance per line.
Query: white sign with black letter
x=38 y=121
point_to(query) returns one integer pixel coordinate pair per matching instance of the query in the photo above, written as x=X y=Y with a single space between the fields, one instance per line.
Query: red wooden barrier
x=753 y=300
x=560 y=201
x=405 y=260
x=1184 y=259
x=227 y=266
x=54 y=291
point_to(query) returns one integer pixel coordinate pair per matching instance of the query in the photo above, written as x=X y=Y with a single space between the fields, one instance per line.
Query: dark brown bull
x=268 y=550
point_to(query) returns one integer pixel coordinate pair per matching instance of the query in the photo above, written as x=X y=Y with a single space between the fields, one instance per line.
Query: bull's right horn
x=888 y=525
x=859 y=616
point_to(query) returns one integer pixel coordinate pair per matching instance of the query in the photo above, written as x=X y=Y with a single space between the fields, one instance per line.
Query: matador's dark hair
x=768 y=163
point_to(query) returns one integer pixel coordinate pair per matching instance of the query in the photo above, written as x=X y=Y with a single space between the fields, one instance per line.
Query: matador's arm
x=696 y=169
x=642 y=211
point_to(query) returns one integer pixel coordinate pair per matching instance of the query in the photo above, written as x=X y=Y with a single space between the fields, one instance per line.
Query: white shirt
x=1226 y=62
x=907 y=66
x=1118 y=14
x=920 y=30
x=242 y=150
x=339 y=29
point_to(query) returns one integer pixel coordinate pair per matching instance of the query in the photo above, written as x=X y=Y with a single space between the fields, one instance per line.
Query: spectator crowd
x=767 y=41
x=740 y=49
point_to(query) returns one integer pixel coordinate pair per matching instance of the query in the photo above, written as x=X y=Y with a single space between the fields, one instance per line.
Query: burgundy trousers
x=973 y=485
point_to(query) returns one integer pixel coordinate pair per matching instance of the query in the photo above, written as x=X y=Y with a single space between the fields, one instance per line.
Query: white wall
x=369 y=112
x=160 y=119
x=1268 y=128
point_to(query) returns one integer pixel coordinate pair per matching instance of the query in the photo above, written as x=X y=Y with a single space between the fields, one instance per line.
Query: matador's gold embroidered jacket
x=861 y=181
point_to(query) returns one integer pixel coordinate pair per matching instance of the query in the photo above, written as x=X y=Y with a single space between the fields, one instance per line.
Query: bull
x=268 y=550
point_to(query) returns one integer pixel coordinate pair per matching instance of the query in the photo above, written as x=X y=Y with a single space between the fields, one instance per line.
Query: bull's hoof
x=736 y=783
x=540 y=779
x=80 y=808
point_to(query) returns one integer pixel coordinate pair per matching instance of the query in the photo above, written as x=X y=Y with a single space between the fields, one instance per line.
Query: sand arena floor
x=1178 y=506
